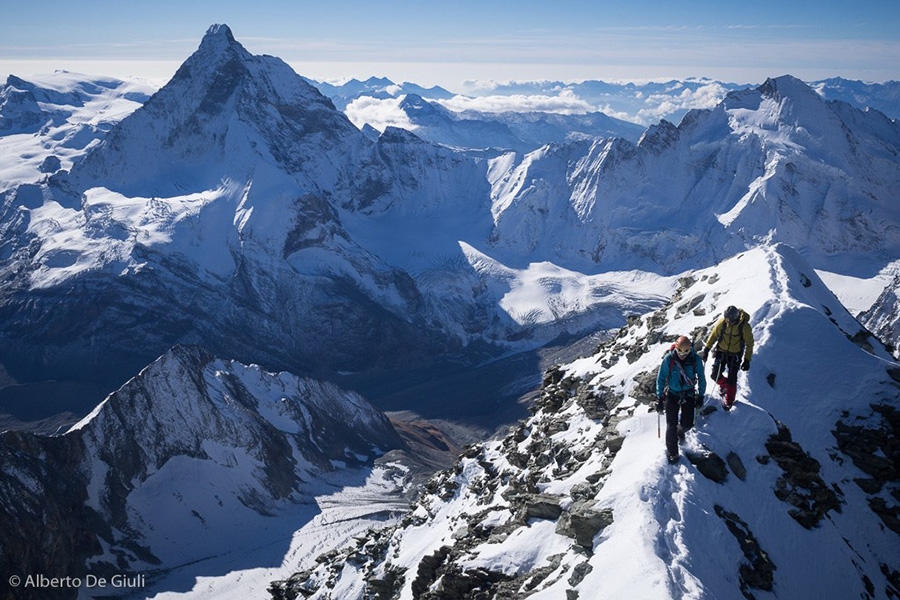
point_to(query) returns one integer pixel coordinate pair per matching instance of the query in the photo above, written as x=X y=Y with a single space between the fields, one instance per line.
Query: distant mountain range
x=636 y=102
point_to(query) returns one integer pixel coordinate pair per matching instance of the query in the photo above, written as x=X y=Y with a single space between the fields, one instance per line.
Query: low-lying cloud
x=565 y=102
x=378 y=113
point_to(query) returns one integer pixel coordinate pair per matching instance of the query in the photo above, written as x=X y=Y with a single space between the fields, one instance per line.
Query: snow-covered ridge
x=772 y=499
x=772 y=164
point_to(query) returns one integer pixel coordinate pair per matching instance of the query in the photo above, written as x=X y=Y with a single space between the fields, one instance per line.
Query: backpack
x=743 y=318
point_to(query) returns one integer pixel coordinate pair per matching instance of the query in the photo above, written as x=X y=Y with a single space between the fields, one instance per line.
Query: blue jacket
x=670 y=375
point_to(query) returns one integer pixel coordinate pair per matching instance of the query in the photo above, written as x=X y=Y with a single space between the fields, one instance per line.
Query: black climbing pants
x=729 y=361
x=679 y=419
x=728 y=385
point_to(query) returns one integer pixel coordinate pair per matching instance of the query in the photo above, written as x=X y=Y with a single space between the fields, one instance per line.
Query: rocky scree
x=511 y=473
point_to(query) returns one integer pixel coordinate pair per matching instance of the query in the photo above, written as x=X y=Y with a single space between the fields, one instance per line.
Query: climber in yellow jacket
x=733 y=340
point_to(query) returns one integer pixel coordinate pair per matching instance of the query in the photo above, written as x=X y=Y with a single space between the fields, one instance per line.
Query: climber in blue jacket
x=680 y=385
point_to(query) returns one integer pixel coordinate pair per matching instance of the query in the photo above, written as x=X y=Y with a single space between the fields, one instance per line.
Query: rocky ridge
x=542 y=512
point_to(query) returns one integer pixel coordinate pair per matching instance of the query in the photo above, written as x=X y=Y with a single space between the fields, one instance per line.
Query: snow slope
x=48 y=122
x=579 y=502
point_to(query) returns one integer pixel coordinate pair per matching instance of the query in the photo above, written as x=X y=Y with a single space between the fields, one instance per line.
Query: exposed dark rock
x=385 y=588
x=758 y=572
x=596 y=403
x=553 y=375
x=292 y=588
x=45 y=522
x=541 y=506
x=690 y=304
x=861 y=445
x=889 y=513
x=709 y=464
x=800 y=484
x=427 y=572
x=645 y=390
x=51 y=164
x=614 y=443
x=580 y=571
x=893 y=577
x=469 y=584
x=873 y=444
x=894 y=373
x=582 y=523
x=736 y=465
x=875 y=450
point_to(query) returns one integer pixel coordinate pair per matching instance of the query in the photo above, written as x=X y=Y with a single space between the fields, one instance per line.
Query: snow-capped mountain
x=791 y=494
x=212 y=212
x=644 y=103
x=346 y=92
x=649 y=102
x=883 y=317
x=224 y=111
x=193 y=458
x=238 y=209
x=883 y=97
x=772 y=164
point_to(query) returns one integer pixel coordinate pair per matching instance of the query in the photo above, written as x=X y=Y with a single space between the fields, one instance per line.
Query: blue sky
x=446 y=43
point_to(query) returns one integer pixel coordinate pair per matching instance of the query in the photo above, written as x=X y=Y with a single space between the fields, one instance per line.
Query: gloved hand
x=660 y=405
x=705 y=354
x=745 y=366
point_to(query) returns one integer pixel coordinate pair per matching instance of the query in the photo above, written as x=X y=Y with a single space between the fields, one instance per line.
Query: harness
x=686 y=382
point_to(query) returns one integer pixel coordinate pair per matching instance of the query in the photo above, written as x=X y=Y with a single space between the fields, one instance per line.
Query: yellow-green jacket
x=732 y=338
